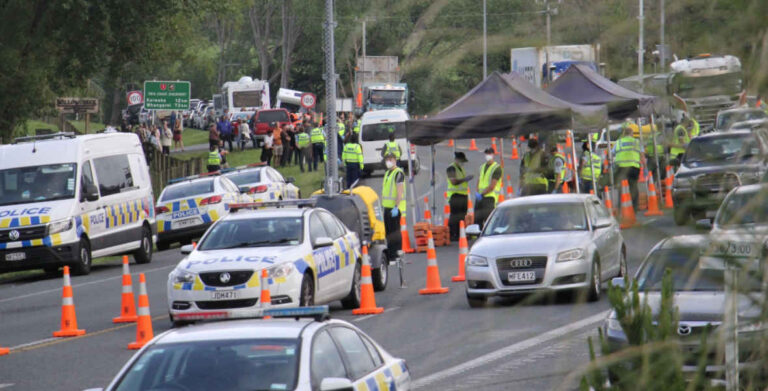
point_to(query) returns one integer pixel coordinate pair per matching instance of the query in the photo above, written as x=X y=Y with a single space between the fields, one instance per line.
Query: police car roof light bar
x=238 y=168
x=59 y=135
x=302 y=203
x=191 y=177
x=319 y=313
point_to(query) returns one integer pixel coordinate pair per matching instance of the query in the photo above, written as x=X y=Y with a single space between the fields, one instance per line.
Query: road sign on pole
x=166 y=95
x=134 y=98
x=77 y=105
x=308 y=100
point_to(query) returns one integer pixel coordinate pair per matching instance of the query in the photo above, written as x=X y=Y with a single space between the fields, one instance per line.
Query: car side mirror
x=322 y=241
x=473 y=230
x=91 y=193
x=290 y=179
x=187 y=249
x=602 y=223
x=704 y=224
x=336 y=384
x=618 y=282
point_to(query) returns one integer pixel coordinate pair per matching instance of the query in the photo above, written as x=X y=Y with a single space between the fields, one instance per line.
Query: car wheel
x=307 y=293
x=681 y=215
x=476 y=301
x=162 y=246
x=380 y=276
x=353 y=298
x=144 y=253
x=595 y=283
x=622 y=264
x=82 y=266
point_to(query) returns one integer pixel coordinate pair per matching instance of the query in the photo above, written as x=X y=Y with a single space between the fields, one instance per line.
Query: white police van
x=375 y=127
x=65 y=199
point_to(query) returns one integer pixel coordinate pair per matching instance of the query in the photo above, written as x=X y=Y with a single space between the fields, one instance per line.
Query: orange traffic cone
x=627 y=211
x=515 y=153
x=367 y=298
x=608 y=199
x=450 y=143
x=566 y=190
x=510 y=190
x=568 y=140
x=642 y=186
x=560 y=148
x=472 y=145
x=668 y=203
x=493 y=145
x=68 y=316
x=266 y=297
x=128 y=305
x=653 y=200
x=446 y=211
x=470 y=217
x=405 y=237
x=462 y=254
x=433 y=273
x=427 y=212
x=144 y=323
x=4 y=351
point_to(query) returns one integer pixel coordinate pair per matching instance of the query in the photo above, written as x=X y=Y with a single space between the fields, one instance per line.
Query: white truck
x=245 y=95
x=542 y=65
x=289 y=100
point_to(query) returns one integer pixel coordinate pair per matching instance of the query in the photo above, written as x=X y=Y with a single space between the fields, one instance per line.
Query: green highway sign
x=166 y=95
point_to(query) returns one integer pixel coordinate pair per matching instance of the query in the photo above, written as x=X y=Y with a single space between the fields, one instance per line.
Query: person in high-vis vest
x=589 y=165
x=558 y=169
x=302 y=145
x=627 y=154
x=651 y=154
x=458 y=192
x=214 y=159
x=317 y=138
x=680 y=140
x=488 y=187
x=533 y=170
x=391 y=146
x=693 y=126
x=393 y=202
x=352 y=156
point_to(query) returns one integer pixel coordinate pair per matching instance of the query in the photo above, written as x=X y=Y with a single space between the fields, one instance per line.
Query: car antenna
x=34 y=146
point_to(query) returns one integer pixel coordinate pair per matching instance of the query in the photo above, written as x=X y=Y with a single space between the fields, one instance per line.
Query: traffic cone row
x=462 y=254
x=627 y=211
x=653 y=200
x=404 y=236
x=515 y=153
x=128 y=304
x=367 y=298
x=472 y=145
x=144 y=322
x=433 y=286
x=68 y=316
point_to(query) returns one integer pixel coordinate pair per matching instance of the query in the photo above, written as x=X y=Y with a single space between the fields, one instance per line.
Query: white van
x=375 y=127
x=65 y=199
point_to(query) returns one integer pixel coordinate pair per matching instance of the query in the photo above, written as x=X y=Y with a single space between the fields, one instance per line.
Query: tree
x=260 y=16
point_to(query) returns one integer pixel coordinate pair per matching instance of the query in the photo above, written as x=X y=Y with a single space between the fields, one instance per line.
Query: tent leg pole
x=655 y=153
x=412 y=185
x=610 y=164
x=594 y=181
x=432 y=183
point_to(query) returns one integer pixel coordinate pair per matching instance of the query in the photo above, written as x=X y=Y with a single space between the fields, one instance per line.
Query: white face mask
x=389 y=163
x=488 y=158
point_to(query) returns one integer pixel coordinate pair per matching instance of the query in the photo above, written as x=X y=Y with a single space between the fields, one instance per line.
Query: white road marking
x=509 y=350
x=362 y=318
x=7 y=385
x=33 y=343
x=649 y=221
x=84 y=284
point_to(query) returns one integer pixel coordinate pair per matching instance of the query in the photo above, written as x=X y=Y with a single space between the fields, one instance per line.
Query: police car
x=189 y=205
x=309 y=255
x=256 y=354
x=262 y=183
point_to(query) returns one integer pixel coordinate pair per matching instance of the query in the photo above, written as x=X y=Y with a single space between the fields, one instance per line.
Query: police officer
x=214 y=159
x=532 y=170
x=317 y=138
x=626 y=157
x=393 y=202
x=559 y=170
x=590 y=165
x=458 y=191
x=680 y=140
x=652 y=154
x=391 y=146
x=488 y=187
x=352 y=156
x=302 y=145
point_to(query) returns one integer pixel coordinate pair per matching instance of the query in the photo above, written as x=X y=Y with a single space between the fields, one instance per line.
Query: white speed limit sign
x=308 y=100
x=135 y=98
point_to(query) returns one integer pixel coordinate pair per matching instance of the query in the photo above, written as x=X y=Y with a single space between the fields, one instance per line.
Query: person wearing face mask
x=591 y=168
x=532 y=170
x=393 y=202
x=458 y=191
x=488 y=187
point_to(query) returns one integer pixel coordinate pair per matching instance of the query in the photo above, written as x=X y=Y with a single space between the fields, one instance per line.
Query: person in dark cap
x=458 y=191
x=488 y=187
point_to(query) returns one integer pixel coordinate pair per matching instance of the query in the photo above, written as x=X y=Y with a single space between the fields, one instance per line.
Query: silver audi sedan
x=547 y=242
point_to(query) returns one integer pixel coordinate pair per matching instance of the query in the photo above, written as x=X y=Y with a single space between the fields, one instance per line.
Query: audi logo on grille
x=224 y=277
x=684 y=329
x=13 y=235
x=521 y=262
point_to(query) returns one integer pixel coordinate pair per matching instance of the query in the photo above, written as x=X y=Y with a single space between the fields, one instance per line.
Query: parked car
x=727 y=118
x=262 y=118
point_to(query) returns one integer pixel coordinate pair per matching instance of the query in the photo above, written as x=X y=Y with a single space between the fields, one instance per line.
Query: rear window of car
x=272 y=116
x=187 y=190
x=246 y=177
x=380 y=131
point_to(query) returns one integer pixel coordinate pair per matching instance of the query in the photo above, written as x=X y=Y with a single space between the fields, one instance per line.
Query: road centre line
x=362 y=318
x=7 y=385
x=510 y=349
x=84 y=284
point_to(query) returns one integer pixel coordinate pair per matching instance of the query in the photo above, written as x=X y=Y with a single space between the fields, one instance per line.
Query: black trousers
x=266 y=156
x=213 y=167
x=227 y=139
x=392 y=228
x=631 y=174
x=484 y=209
x=458 y=204
x=317 y=154
x=353 y=173
x=585 y=185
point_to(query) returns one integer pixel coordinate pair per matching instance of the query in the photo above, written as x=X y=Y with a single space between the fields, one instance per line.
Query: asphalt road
x=528 y=343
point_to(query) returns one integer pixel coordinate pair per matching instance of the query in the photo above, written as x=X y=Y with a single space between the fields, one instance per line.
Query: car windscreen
x=381 y=131
x=272 y=116
x=388 y=97
x=744 y=208
x=517 y=219
x=245 y=177
x=725 y=120
x=187 y=190
x=50 y=182
x=253 y=232
x=733 y=147
x=223 y=365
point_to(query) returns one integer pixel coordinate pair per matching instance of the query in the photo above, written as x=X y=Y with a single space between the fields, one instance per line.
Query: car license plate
x=186 y=223
x=16 y=256
x=521 y=276
x=224 y=295
x=732 y=249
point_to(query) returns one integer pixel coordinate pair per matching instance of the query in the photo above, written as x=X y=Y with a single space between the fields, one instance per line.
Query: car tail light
x=413 y=149
x=161 y=209
x=211 y=200
x=258 y=189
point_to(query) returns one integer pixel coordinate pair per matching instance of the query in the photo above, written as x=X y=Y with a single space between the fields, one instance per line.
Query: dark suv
x=714 y=164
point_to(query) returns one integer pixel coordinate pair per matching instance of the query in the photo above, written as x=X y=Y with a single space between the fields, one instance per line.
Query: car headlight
x=59 y=226
x=613 y=324
x=681 y=182
x=570 y=255
x=476 y=260
x=748 y=178
x=283 y=270
x=182 y=277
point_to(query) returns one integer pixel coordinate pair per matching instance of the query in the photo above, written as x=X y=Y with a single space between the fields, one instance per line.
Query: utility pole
x=663 y=54
x=549 y=29
x=332 y=168
x=364 y=58
x=485 y=41
x=640 y=47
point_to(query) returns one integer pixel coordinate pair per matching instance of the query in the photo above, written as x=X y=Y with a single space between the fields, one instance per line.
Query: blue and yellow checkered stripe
x=198 y=285
x=378 y=381
x=124 y=213
x=14 y=222
x=182 y=205
x=48 y=241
